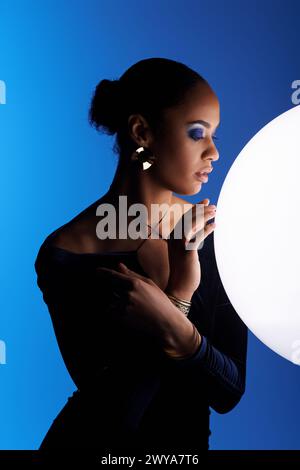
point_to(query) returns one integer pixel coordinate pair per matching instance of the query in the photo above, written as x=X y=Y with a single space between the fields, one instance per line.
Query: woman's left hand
x=185 y=268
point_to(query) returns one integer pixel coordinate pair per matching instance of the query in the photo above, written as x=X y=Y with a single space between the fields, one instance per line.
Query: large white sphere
x=257 y=235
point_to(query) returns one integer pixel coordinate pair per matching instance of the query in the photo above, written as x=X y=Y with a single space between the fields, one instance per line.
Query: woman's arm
x=218 y=366
x=94 y=330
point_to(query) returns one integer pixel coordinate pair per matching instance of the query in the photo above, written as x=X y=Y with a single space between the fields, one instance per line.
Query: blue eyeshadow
x=196 y=132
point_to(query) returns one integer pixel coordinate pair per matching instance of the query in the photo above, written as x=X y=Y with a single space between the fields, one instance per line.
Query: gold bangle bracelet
x=186 y=302
x=183 y=305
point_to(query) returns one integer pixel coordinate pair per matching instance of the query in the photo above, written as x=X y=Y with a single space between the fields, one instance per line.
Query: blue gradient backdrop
x=53 y=165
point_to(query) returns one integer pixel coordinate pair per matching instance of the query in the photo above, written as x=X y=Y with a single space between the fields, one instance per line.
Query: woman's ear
x=139 y=130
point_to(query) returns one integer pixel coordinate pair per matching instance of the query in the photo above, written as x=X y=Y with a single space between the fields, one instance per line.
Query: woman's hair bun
x=105 y=106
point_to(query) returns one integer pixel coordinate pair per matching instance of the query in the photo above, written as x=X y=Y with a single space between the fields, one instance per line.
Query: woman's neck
x=141 y=188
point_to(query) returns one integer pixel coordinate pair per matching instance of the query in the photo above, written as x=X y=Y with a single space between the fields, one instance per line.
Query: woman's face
x=185 y=146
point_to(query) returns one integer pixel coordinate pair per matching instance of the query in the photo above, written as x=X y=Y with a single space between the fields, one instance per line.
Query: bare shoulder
x=79 y=234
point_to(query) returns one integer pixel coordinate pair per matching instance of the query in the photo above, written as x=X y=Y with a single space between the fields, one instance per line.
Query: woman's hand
x=148 y=308
x=185 y=269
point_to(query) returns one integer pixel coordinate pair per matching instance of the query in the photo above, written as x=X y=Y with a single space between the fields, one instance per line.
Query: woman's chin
x=188 y=190
x=196 y=188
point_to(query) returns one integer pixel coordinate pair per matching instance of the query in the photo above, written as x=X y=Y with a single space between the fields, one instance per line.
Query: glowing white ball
x=257 y=235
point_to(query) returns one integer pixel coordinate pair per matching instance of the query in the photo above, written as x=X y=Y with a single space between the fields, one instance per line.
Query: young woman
x=144 y=326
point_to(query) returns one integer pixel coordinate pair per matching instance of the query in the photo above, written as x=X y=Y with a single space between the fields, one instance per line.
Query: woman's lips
x=203 y=177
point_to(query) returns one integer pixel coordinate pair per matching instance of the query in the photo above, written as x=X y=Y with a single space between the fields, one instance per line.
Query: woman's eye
x=196 y=134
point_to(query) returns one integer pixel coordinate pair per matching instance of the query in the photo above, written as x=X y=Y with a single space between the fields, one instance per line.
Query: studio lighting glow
x=257 y=235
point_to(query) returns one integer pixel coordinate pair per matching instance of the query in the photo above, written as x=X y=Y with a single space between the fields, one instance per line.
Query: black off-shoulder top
x=130 y=394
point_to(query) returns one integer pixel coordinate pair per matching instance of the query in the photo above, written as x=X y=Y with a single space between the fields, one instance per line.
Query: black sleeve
x=73 y=313
x=218 y=366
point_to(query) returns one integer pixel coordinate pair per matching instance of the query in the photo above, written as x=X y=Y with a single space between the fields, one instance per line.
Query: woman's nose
x=213 y=154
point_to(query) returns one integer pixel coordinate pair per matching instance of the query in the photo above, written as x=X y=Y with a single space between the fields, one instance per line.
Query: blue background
x=53 y=165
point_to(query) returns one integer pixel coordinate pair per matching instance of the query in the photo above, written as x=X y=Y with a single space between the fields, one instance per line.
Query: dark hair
x=148 y=87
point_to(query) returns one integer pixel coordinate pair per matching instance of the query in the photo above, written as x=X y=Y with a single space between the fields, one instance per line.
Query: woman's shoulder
x=73 y=246
x=62 y=244
x=77 y=235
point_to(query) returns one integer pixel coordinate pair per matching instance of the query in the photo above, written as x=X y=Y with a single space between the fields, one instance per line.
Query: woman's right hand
x=185 y=269
x=145 y=308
